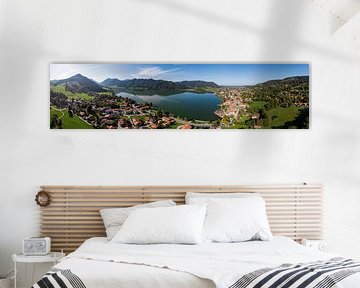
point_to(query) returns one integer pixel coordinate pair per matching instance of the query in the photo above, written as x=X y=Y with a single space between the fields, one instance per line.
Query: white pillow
x=113 y=218
x=236 y=220
x=197 y=198
x=180 y=224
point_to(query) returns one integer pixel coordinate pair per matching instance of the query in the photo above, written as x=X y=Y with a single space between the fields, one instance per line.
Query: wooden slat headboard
x=73 y=215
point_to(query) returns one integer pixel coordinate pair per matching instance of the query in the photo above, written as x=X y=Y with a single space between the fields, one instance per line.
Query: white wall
x=37 y=32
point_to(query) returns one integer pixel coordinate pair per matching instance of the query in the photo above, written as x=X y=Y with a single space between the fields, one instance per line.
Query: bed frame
x=73 y=214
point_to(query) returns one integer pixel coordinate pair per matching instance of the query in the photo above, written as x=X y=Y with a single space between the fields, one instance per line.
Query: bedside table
x=53 y=257
x=320 y=245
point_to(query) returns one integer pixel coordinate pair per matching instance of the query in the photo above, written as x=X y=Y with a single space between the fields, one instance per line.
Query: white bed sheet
x=100 y=263
x=100 y=274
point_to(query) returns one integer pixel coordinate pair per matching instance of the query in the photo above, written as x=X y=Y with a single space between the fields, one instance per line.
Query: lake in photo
x=179 y=96
x=199 y=106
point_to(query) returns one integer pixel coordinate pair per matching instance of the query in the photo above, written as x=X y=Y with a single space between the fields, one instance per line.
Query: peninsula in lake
x=155 y=99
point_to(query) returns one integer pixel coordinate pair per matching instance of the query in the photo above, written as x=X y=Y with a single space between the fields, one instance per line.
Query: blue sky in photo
x=222 y=74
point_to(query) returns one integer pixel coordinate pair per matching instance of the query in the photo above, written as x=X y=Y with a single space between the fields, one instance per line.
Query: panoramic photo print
x=179 y=96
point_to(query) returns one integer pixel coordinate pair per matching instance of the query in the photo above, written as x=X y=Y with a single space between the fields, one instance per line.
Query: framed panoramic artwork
x=179 y=96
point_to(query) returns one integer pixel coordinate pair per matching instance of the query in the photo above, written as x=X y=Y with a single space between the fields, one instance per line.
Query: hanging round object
x=42 y=198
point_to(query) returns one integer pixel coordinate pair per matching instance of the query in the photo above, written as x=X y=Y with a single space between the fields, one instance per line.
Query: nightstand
x=320 y=245
x=53 y=257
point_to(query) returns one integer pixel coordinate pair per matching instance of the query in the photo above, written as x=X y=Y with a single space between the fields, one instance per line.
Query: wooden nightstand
x=53 y=257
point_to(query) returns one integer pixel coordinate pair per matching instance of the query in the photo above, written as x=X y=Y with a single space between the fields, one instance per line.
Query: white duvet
x=100 y=263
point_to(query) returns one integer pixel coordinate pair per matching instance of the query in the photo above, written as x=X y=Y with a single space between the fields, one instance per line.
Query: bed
x=99 y=263
x=293 y=210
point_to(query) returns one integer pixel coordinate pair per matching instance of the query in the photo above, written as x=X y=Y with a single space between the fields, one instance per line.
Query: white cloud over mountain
x=152 y=72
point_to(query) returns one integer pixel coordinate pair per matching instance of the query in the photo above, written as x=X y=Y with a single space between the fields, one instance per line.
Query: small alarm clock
x=36 y=246
x=320 y=245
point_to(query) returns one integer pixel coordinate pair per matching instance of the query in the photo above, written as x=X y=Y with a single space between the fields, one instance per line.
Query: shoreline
x=134 y=96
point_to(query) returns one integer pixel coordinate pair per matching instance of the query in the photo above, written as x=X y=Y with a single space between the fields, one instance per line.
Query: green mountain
x=283 y=92
x=112 y=82
x=295 y=80
x=79 y=83
x=198 y=83
x=151 y=84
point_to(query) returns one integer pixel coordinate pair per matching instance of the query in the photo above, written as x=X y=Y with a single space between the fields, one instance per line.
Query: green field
x=70 y=95
x=69 y=122
x=255 y=106
x=61 y=89
x=280 y=117
x=105 y=93
x=276 y=118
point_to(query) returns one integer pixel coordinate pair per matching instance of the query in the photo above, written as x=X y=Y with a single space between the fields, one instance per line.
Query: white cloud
x=152 y=72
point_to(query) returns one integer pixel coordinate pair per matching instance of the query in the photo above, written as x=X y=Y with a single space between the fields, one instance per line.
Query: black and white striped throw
x=57 y=278
x=320 y=274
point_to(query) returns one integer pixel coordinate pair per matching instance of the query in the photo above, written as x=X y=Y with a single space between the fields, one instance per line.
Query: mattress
x=99 y=263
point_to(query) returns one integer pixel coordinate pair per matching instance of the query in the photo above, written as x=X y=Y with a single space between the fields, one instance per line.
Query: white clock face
x=322 y=247
x=40 y=245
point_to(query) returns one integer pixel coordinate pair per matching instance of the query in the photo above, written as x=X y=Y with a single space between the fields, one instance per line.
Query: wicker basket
x=5 y=281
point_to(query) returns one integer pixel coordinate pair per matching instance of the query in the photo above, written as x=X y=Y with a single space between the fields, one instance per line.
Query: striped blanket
x=319 y=274
x=57 y=278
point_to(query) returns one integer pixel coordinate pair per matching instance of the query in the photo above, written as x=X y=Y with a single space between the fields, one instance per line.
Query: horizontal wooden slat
x=46 y=213
x=82 y=217
x=69 y=245
x=73 y=240
x=90 y=222
x=100 y=199
x=73 y=216
x=95 y=209
x=209 y=188
x=68 y=236
x=73 y=230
